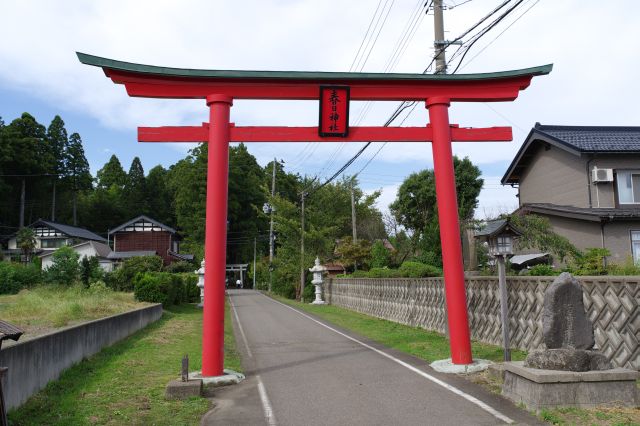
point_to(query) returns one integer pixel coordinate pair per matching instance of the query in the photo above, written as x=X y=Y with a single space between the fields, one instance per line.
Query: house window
x=628 y=186
x=53 y=242
x=635 y=246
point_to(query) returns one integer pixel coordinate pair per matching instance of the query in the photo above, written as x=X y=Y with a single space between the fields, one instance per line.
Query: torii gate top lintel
x=220 y=88
x=165 y=82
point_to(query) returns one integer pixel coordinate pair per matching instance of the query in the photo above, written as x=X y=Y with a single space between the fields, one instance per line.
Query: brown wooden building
x=146 y=234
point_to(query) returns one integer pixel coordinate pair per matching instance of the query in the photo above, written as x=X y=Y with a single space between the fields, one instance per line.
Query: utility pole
x=254 y=263
x=353 y=215
x=273 y=194
x=302 y=266
x=439 y=42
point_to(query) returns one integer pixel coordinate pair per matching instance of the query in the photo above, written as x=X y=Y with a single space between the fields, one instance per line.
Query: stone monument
x=568 y=372
x=567 y=332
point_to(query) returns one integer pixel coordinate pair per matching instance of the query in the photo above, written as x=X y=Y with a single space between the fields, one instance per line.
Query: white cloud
x=593 y=81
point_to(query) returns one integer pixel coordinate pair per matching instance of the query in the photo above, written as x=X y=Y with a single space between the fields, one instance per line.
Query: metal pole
x=439 y=42
x=460 y=341
x=504 y=307
x=254 y=263
x=215 y=235
x=271 y=250
x=302 y=269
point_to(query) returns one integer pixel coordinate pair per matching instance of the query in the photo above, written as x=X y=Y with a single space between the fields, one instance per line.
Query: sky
x=594 y=49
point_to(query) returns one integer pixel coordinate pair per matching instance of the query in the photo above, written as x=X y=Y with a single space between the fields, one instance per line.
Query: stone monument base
x=539 y=389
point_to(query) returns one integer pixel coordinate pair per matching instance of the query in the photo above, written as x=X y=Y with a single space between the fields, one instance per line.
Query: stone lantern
x=200 y=284
x=500 y=235
x=318 y=270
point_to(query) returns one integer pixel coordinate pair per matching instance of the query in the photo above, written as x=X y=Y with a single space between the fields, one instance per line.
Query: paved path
x=303 y=371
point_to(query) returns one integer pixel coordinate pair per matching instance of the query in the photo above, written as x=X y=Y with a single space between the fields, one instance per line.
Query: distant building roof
x=128 y=254
x=72 y=231
x=584 y=213
x=576 y=140
x=181 y=256
x=142 y=218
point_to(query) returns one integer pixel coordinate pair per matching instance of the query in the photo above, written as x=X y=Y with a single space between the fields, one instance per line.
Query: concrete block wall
x=612 y=304
x=34 y=363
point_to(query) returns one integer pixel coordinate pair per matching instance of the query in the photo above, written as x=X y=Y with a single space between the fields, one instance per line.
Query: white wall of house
x=84 y=250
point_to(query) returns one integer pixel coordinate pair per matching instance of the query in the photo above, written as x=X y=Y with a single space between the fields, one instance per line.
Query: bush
x=592 y=262
x=418 y=270
x=65 y=268
x=380 y=256
x=627 y=268
x=122 y=278
x=383 y=273
x=166 y=288
x=542 y=270
x=14 y=277
x=179 y=267
x=90 y=270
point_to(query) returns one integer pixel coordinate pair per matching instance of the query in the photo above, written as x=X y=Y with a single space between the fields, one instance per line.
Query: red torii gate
x=220 y=88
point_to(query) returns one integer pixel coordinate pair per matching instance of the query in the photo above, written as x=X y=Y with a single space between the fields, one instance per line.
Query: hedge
x=166 y=288
x=15 y=276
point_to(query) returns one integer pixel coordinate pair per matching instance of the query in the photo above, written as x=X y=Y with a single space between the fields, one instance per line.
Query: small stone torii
x=333 y=90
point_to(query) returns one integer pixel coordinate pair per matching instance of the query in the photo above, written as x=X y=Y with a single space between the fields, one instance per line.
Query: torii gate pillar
x=449 y=230
x=215 y=235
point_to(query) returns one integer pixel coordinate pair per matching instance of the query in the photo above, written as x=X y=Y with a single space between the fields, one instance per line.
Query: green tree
x=354 y=255
x=77 y=174
x=416 y=206
x=246 y=198
x=159 y=199
x=538 y=233
x=57 y=141
x=112 y=174
x=64 y=269
x=135 y=189
x=380 y=256
x=26 y=240
x=187 y=181
x=26 y=157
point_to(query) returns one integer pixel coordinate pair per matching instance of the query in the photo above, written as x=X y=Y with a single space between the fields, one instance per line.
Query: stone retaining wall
x=34 y=363
x=612 y=304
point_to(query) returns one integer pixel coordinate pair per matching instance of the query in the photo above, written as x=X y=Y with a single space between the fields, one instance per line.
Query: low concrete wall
x=612 y=305
x=34 y=363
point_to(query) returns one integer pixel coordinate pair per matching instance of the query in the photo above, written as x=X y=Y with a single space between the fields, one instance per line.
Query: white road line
x=244 y=337
x=266 y=405
x=435 y=380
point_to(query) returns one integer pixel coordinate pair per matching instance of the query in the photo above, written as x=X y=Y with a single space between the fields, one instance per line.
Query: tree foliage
x=416 y=209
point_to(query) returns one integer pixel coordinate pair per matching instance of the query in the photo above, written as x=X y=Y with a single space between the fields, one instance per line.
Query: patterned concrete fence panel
x=612 y=304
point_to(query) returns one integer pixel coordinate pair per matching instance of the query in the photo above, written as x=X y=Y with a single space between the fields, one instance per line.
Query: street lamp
x=500 y=235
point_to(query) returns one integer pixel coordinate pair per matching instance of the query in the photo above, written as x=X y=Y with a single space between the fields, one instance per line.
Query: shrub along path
x=125 y=383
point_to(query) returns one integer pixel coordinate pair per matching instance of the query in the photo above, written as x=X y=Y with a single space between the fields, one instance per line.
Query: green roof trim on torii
x=300 y=75
x=181 y=83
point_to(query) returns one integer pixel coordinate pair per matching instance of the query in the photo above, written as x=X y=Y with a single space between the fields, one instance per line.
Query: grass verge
x=45 y=308
x=416 y=341
x=432 y=346
x=125 y=383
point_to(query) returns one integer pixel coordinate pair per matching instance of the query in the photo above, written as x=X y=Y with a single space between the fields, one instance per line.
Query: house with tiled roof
x=50 y=236
x=586 y=181
x=144 y=236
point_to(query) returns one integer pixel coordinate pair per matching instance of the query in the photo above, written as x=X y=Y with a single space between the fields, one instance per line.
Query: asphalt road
x=303 y=371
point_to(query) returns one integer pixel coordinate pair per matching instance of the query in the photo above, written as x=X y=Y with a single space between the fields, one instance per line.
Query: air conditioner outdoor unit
x=601 y=175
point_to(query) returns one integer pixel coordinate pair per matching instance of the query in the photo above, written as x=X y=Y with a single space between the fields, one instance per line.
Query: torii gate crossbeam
x=220 y=88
